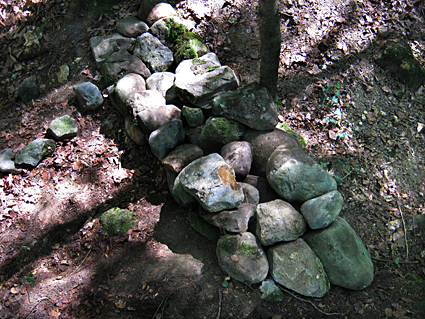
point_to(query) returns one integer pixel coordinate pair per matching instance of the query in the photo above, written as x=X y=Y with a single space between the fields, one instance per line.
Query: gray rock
x=270 y=291
x=193 y=116
x=278 y=221
x=120 y=63
x=242 y=258
x=297 y=177
x=295 y=266
x=266 y=192
x=239 y=156
x=35 y=151
x=88 y=96
x=151 y=112
x=222 y=130
x=181 y=156
x=164 y=83
x=252 y=196
x=7 y=164
x=62 y=128
x=28 y=89
x=131 y=27
x=322 y=211
x=264 y=143
x=163 y=140
x=236 y=220
x=199 y=80
x=151 y=51
x=211 y=181
x=125 y=90
x=134 y=131
x=104 y=46
x=343 y=255
x=233 y=221
x=251 y=105
x=159 y=11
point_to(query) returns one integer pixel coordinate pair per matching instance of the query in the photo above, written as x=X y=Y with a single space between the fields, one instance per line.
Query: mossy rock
x=117 y=222
x=185 y=45
x=397 y=57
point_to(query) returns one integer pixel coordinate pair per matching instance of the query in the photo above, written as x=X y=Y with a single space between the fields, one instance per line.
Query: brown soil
x=55 y=259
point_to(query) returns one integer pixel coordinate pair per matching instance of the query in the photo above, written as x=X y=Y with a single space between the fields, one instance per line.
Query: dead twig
x=404 y=228
x=317 y=308
x=79 y=266
x=220 y=299
x=396 y=262
x=36 y=304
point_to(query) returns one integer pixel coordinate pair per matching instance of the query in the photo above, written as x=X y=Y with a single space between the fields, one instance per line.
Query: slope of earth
x=359 y=121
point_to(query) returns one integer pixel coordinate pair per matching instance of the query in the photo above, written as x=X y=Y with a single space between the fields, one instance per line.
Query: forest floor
x=57 y=262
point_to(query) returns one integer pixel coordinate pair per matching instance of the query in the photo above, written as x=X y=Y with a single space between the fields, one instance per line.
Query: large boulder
x=242 y=258
x=295 y=266
x=199 y=80
x=263 y=144
x=211 y=181
x=251 y=105
x=297 y=177
x=321 y=211
x=343 y=255
x=278 y=221
x=153 y=53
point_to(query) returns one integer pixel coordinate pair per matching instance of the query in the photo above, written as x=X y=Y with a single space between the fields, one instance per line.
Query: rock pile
x=223 y=152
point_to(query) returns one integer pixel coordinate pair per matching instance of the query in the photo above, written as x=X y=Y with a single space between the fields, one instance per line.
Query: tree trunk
x=270 y=44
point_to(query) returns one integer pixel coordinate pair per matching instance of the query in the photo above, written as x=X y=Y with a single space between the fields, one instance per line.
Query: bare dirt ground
x=55 y=260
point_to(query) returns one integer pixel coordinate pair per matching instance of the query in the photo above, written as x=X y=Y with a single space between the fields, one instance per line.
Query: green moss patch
x=116 y=221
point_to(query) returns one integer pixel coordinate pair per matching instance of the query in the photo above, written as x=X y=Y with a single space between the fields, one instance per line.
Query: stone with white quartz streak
x=211 y=181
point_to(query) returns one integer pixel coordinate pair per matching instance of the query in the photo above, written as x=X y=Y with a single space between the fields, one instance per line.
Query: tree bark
x=270 y=44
